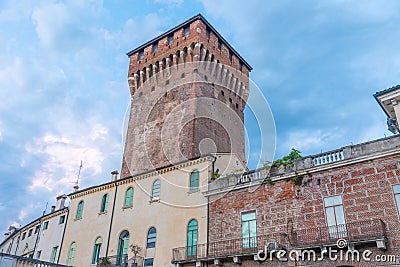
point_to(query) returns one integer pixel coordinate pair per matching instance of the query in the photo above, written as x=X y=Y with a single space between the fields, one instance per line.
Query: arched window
x=151 y=237
x=192 y=238
x=156 y=189
x=104 y=203
x=96 y=250
x=194 y=180
x=71 y=254
x=80 y=210
x=129 y=197
x=123 y=244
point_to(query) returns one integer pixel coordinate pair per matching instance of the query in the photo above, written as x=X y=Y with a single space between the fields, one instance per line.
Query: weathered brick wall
x=172 y=114
x=366 y=189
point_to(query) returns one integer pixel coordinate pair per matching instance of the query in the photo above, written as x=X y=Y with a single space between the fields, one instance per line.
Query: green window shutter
x=129 y=197
x=194 y=180
x=53 y=255
x=192 y=238
x=71 y=254
x=104 y=203
x=80 y=210
x=96 y=250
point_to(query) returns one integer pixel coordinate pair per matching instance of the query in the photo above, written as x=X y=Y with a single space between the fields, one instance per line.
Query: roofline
x=376 y=95
x=388 y=90
x=196 y=17
x=37 y=220
x=142 y=173
x=383 y=92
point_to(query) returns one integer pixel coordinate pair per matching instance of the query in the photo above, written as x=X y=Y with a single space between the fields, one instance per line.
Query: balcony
x=226 y=248
x=329 y=157
x=355 y=232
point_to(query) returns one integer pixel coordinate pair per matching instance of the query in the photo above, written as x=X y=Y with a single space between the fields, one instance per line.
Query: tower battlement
x=189 y=88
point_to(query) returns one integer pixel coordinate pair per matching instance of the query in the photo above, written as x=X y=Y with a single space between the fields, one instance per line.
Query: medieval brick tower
x=189 y=89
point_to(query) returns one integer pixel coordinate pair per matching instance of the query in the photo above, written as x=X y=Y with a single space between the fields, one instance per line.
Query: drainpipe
x=112 y=217
x=208 y=211
x=62 y=238
x=37 y=238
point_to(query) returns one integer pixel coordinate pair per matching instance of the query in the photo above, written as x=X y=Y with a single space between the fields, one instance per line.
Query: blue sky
x=63 y=80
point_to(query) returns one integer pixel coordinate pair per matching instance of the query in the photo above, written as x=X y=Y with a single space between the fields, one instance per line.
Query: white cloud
x=63 y=155
x=312 y=141
x=22 y=215
x=67 y=26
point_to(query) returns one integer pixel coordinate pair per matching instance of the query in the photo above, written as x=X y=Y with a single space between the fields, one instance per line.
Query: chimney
x=114 y=175
x=76 y=188
x=61 y=202
x=53 y=208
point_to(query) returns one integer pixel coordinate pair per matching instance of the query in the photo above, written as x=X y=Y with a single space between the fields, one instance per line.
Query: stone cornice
x=313 y=170
x=141 y=176
x=54 y=214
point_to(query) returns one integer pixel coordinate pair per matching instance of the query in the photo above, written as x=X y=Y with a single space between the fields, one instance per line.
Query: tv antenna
x=76 y=186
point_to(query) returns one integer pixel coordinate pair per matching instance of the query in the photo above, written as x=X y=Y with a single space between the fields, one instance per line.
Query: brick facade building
x=345 y=194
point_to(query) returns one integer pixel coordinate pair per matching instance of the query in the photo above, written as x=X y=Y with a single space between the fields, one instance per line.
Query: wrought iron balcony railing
x=361 y=231
x=355 y=231
x=226 y=248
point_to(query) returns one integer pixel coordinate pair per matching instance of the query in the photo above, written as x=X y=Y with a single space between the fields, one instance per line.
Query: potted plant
x=105 y=262
x=135 y=249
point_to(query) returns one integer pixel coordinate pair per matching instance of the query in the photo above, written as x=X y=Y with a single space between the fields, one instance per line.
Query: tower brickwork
x=189 y=89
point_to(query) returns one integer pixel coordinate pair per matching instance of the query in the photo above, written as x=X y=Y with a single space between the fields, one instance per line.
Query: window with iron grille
x=335 y=217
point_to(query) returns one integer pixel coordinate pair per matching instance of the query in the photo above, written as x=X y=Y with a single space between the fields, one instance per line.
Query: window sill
x=102 y=213
x=77 y=219
x=127 y=207
x=154 y=200
x=193 y=191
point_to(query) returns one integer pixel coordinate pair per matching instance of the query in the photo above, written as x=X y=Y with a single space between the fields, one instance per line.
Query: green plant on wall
x=237 y=171
x=288 y=159
x=215 y=175
x=135 y=249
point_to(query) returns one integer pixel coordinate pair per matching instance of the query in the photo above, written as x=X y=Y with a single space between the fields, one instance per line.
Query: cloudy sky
x=63 y=80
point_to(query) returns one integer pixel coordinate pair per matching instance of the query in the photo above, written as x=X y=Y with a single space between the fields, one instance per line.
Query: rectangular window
x=219 y=44
x=37 y=229
x=396 y=191
x=170 y=40
x=230 y=56
x=23 y=236
x=46 y=225
x=30 y=232
x=62 y=219
x=53 y=255
x=141 y=55
x=249 y=230
x=194 y=181
x=186 y=31
x=148 y=262
x=155 y=47
x=208 y=33
x=335 y=217
x=38 y=254
x=241 y=67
